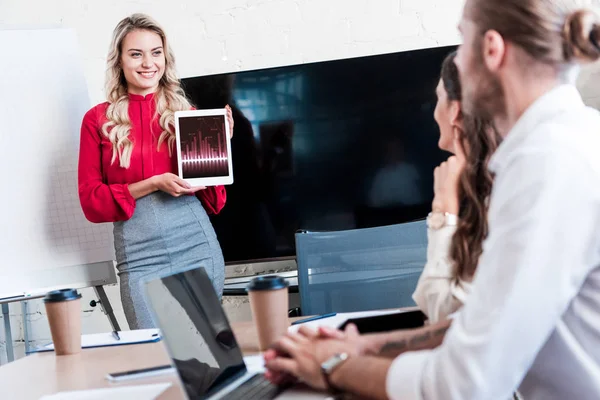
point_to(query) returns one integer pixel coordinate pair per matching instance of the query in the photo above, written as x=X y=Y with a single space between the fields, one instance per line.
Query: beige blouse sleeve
x=438 y=293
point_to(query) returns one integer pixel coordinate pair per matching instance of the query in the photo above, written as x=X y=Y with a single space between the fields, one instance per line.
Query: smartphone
x=139 y=373
x=387 y=322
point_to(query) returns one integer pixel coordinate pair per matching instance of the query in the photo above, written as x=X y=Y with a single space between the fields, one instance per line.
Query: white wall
x=211 y=36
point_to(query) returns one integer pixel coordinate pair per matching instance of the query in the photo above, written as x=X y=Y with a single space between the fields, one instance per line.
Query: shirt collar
x=561 y=98
x=139 y=97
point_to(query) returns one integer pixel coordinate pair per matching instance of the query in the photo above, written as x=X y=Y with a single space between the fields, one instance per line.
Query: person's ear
x=494 y=50
x=455 y=114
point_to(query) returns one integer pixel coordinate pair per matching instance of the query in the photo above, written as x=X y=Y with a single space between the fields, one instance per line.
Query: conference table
x=44 y=373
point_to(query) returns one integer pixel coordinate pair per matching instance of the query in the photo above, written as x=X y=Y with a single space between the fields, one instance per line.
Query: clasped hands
x=298 y=356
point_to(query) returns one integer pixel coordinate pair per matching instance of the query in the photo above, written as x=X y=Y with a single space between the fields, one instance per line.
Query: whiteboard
x=45 y=240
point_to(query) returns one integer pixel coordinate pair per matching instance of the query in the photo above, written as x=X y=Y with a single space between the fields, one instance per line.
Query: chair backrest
x=360 y=269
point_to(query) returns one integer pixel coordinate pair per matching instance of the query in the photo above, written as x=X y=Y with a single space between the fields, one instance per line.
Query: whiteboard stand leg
x=24 y=310
x=106 y=307
x=10 y=355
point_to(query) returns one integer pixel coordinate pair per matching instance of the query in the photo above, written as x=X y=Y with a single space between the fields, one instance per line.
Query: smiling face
x=142 y=61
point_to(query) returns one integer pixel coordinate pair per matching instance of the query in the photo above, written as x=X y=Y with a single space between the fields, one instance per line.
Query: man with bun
x=532 y=320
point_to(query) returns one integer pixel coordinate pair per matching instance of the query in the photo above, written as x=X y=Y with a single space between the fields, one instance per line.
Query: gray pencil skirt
x=165 y=235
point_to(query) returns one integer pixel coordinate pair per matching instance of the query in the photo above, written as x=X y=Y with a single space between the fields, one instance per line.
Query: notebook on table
x=107 y=339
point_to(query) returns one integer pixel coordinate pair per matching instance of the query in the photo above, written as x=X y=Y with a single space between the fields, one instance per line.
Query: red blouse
x=103 y=187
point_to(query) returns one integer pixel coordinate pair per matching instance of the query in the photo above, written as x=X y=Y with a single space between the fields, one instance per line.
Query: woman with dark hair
x=457 y=223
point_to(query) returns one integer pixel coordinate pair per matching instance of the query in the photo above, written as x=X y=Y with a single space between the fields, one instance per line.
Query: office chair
x=360 y=269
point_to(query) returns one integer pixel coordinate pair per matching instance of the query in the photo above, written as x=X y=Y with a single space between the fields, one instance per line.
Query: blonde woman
x=128 y=169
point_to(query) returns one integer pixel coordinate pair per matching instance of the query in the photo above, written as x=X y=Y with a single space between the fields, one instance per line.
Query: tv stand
x=238 y=274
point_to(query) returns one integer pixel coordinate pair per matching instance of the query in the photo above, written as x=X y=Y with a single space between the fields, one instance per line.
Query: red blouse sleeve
x=213 y=198
x=100 y=202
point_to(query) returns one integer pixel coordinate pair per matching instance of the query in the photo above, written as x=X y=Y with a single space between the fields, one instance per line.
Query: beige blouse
x=439 y=293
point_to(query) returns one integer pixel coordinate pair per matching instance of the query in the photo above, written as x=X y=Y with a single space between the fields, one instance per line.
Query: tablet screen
x=203 y=146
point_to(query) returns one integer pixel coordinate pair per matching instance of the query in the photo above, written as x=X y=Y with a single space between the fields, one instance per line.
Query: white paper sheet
x=255 y=363
x=138 y=392
x=107 y=339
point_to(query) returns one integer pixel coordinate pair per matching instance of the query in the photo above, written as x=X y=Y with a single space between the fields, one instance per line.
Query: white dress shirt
x=533 y=315
x=439 y=293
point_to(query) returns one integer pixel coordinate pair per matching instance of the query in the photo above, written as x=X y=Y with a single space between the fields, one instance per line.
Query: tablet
x=203 y=147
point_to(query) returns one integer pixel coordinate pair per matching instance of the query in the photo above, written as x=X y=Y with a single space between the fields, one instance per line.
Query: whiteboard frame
x=79 y=277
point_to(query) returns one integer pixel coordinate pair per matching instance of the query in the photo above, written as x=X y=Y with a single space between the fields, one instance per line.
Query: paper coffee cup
x=64 y=316
x=269 y=304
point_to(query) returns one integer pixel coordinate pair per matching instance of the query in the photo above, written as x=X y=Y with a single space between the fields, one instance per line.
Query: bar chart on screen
x=203 y=146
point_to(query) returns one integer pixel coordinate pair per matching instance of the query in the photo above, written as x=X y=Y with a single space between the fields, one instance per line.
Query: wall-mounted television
x=332 y=145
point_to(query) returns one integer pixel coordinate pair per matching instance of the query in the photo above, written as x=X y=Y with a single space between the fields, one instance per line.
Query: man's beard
x=483 y=95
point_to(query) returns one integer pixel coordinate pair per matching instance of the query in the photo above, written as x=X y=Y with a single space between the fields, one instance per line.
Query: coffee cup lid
x=62 y=295
x=267 y=283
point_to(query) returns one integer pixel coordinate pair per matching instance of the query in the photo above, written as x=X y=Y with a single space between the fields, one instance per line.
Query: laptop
x=201 y=344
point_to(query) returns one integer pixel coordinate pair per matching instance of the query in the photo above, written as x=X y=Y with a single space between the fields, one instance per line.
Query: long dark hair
x=479 y=139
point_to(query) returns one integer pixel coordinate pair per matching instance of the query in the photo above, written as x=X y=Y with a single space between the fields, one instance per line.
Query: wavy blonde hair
x=169 y=96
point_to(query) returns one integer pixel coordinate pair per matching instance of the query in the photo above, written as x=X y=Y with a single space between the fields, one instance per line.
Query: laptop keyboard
x=257 y=387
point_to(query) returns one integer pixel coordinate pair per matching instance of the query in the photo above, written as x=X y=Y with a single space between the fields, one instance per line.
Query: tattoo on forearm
x=441 y=331
x=420 y=338
x=415 y=341
x=394 y=346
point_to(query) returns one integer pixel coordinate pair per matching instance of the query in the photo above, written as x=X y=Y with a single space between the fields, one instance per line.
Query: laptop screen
x=196 y=331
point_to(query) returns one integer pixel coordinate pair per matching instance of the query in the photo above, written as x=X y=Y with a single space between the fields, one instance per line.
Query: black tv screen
x=333 y=145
